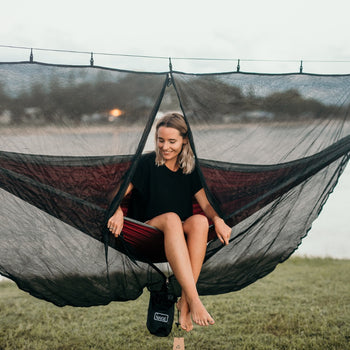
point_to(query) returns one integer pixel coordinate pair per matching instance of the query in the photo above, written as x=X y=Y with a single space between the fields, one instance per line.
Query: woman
x=162 y=190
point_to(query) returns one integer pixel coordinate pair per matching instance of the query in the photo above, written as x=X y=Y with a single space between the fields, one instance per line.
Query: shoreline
x=109 y=127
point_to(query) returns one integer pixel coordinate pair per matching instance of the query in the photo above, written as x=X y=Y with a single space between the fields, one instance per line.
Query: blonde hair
x=185 y=159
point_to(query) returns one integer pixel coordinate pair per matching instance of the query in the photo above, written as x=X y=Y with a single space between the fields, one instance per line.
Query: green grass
x=303 y=304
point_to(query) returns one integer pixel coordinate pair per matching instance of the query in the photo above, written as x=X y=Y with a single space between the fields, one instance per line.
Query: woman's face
x=169 y=142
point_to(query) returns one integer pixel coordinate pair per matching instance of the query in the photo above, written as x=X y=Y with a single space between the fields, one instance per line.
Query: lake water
x=330 y=233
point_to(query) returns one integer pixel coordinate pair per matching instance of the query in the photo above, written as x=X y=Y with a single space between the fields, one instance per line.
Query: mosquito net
x=269 y=148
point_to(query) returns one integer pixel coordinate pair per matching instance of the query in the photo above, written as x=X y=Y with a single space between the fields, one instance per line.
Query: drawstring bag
x=160 y=316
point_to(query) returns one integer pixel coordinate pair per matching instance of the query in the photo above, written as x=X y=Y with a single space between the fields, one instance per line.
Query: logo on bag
x=161 y=317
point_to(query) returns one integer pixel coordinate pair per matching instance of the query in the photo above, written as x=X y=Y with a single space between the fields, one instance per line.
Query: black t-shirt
x=158 y=190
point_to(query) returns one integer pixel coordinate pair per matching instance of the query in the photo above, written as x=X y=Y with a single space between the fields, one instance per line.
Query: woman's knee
x=201 y=220
x=172 y=219
x=197 y=223
x=166 y=221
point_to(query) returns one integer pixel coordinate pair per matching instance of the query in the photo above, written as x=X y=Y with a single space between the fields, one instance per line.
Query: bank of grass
x=303 y=304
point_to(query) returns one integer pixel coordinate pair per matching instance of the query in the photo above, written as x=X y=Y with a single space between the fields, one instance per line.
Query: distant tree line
x=231 y=104
x=54 y=102
x=91 y=101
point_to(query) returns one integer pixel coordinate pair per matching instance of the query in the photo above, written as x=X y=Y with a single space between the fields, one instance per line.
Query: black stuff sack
x=160 y=316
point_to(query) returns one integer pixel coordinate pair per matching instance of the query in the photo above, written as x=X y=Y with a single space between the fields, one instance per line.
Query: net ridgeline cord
x=239 y=60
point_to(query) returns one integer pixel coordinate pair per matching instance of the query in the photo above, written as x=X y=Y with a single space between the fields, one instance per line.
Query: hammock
x=269 y=149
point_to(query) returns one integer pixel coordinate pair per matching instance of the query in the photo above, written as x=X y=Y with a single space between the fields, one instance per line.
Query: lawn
x=303 y=304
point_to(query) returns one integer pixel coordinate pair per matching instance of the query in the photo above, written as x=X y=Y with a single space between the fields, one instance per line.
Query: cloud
x=254 y=29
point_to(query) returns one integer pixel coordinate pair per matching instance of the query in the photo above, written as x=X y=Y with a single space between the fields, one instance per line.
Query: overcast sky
x=246 y=29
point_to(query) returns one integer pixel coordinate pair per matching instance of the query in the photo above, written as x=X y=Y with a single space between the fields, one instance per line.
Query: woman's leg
x=196 y=229
x=177 y=253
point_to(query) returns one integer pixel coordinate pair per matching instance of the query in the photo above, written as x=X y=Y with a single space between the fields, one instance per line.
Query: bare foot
x=185 y=315
x=199 y=313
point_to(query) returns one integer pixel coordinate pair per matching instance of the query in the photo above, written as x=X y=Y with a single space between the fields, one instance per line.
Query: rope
x=173 y=58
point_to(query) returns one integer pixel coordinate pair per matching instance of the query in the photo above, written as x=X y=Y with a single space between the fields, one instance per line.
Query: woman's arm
x=223 y=231
x=116 y=222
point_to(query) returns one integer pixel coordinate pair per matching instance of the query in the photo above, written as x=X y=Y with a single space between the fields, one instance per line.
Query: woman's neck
x=172 y=165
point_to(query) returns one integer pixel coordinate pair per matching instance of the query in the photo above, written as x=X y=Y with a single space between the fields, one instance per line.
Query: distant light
x=115 y=113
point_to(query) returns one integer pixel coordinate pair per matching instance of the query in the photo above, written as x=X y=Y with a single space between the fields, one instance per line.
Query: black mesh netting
x=270 y=150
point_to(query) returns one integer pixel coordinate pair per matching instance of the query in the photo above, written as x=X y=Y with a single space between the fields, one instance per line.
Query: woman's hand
x=222 y=230
x=116 y=222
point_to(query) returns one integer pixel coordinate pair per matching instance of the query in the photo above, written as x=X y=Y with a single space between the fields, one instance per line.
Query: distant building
x=5 y=117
